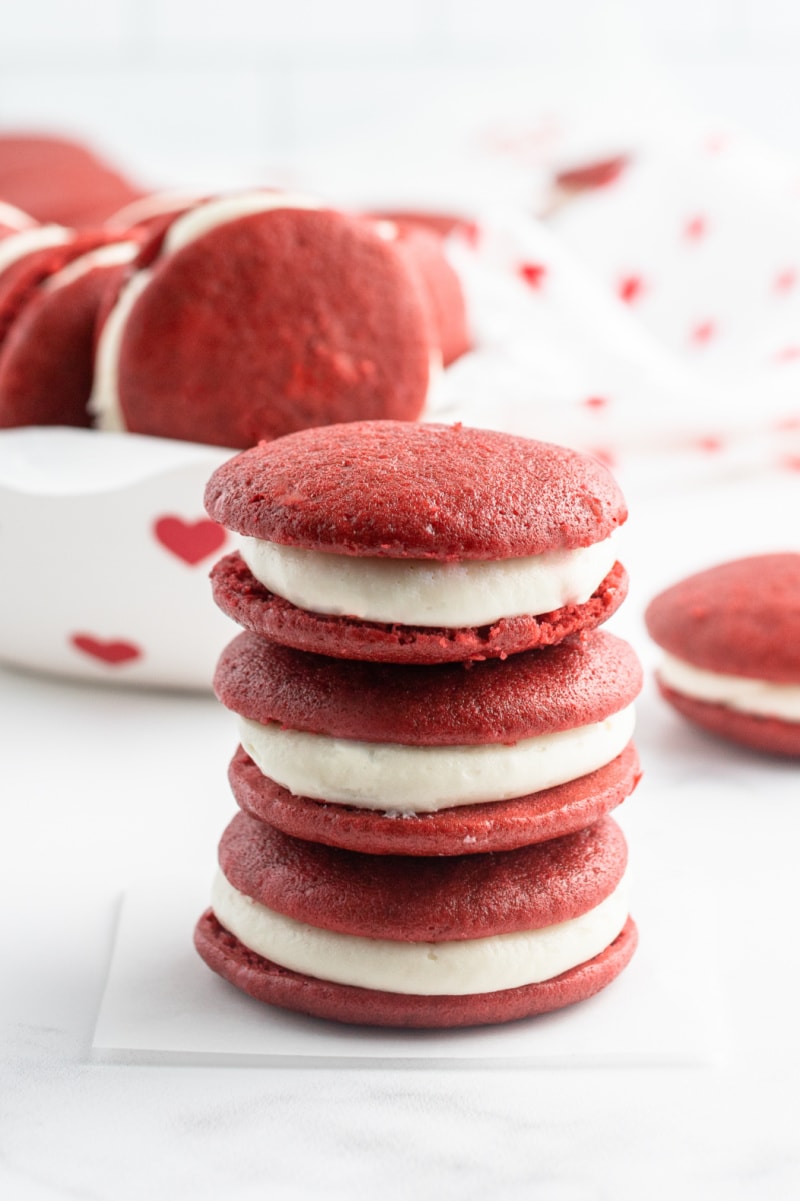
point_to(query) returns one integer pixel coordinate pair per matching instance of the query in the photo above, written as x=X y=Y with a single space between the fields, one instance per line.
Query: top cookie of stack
x=417 y=543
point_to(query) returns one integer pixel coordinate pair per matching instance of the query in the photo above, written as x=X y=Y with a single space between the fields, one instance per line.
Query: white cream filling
x=386 y=230
x=157 y=204
x=401 y=779
x=457 y=968
x=205 y=217
x=111 y=255
x=104 y=403
x=763 y=698
x=16 y=246
x=14 y=218
x=426 y=592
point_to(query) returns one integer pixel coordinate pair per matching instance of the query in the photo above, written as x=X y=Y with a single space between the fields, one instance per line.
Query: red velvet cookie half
x=731 y=637
x=259 y=314
x=404 y=941
x=424 y=251
x=432 y=760
x=410 y=543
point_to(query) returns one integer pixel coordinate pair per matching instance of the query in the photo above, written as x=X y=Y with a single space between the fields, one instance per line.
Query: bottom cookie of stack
x=392 y=940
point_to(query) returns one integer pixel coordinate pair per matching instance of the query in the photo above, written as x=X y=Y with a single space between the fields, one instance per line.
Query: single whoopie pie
x=432 y=760
x=47 y=356
x=31 y=256
x=418 y=942
x=259 y=314
x=417 y=543
x=732 y=640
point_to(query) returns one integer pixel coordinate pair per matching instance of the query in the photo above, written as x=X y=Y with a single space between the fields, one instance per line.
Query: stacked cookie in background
x=433 y=729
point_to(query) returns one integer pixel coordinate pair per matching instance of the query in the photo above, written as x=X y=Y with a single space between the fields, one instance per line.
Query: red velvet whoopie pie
x=418 y=942
x=731 y=637
x=417 y=543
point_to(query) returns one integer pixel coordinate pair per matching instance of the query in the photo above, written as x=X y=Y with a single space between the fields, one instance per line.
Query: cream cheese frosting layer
x=458 y=968
x=104 y=403
x=425 y=592
x=17 y=245
x=764 y=698
x=204 y=217
x=156 y=204
x=112 y=255
x=14 y=218
x=396 y=778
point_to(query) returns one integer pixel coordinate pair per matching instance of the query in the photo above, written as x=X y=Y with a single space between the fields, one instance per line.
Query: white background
x=250 y=88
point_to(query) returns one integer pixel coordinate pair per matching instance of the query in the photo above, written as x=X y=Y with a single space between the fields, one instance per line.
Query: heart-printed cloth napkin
x=645 y=306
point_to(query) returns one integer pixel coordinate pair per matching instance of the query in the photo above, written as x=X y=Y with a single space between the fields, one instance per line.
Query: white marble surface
x=101 y=786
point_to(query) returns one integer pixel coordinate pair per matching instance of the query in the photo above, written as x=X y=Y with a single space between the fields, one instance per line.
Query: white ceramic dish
x=106 y=550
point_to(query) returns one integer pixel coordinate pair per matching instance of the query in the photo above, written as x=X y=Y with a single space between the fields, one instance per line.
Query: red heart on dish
x=113 y=651
x=191 y=541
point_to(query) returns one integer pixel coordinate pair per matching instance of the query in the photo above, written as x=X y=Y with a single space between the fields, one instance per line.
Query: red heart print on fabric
x=111 y=651
x=630 y=288
x=191 y=541
x=785 y=280
x=533 y=273
x=593 y=175
x=702 y=333
x=695 y=228
x=710 y=443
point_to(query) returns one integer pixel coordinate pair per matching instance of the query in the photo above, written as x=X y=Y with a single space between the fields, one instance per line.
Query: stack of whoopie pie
x=433 y=727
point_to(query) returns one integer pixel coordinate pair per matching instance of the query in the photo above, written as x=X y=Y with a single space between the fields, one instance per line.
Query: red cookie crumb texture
x=425 y=492
x=248 y=602
x=769 y=734
x=46 y=360
x=581 y=681
x=275 y=985
x=422 y=899
x=468 y=829
x=739 y=618
x=271 y=323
